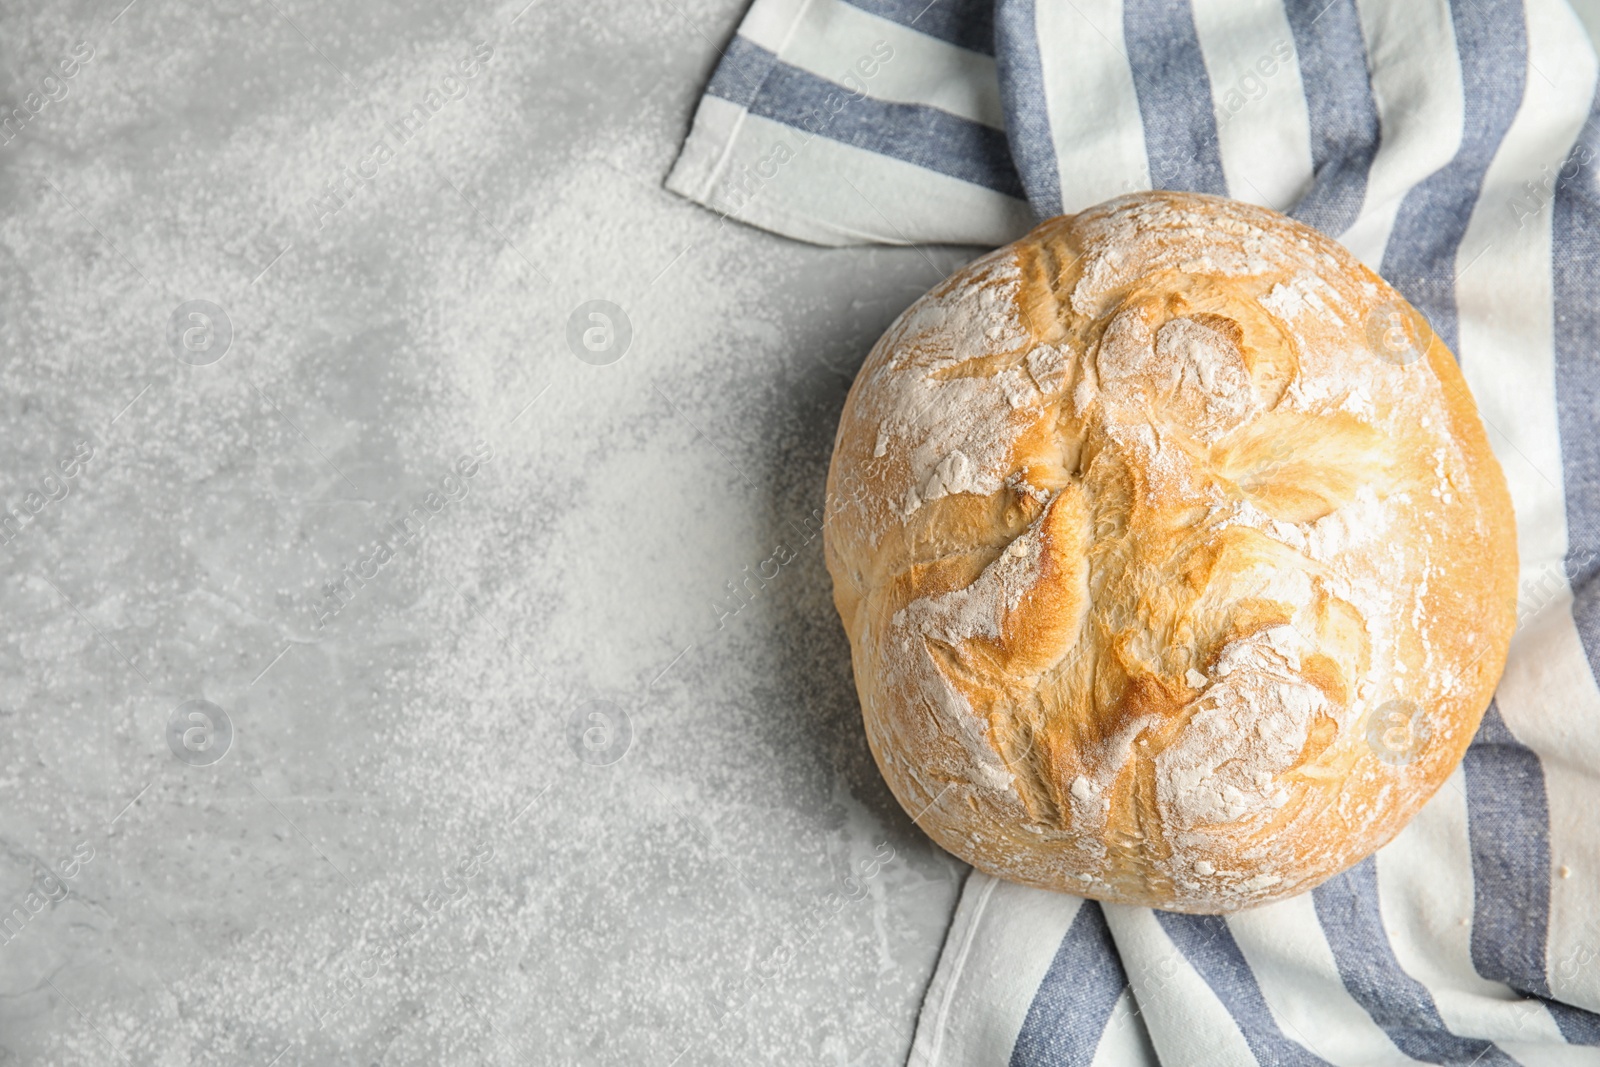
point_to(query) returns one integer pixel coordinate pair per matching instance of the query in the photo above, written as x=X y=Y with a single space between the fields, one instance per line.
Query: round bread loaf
x=1176 y=565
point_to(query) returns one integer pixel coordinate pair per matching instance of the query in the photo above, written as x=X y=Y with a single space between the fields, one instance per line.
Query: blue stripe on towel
x=1579 y=1027
x=1508 y=823
x=1347 y=908
x=1027 y=105
x=1169 y=78
x=1208 y=945
x=925 y=136
x=1068 y=1015
x=967 y=24
x=1344 y=119
x=1420 y=260
x=741 y=73
x=1574 y=227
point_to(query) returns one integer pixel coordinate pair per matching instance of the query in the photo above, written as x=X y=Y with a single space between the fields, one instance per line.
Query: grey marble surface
x=373 y=509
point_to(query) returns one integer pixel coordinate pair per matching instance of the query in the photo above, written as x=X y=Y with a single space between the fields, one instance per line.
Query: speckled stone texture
x=490 y=764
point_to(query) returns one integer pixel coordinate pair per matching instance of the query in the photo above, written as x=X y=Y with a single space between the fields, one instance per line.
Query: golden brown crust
x=1176 y=565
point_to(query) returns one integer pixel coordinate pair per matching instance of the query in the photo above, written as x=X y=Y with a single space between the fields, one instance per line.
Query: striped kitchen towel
x=1452 y=147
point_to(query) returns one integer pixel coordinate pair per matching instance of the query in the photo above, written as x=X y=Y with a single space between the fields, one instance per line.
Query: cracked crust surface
x=1175 y=562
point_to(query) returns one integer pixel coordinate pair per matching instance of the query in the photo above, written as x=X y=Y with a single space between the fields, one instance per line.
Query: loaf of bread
x=1176 y=565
